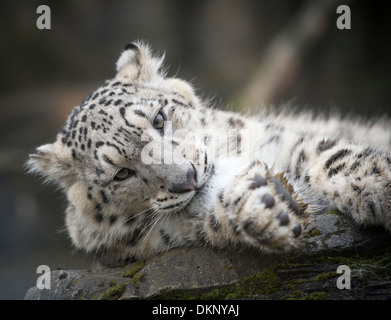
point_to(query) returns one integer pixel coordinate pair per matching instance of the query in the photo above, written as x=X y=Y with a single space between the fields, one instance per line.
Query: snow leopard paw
x=264 y=209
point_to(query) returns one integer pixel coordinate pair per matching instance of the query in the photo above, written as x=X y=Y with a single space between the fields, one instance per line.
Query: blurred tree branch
x=281 y=63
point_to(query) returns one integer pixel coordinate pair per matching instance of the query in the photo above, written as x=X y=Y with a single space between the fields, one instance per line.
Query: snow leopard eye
x=123 y=174
x=158 y=122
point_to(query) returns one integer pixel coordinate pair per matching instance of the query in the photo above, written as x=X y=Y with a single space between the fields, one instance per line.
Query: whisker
x=136 y=215
x=154 y=215
x=159 y=216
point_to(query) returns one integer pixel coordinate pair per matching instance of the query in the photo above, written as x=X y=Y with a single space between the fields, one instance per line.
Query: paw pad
x=283 y=217
x=258 y=181
x=268 y=201
x=296 y=230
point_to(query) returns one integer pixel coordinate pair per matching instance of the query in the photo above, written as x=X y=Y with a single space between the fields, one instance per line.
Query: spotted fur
x=295 y=165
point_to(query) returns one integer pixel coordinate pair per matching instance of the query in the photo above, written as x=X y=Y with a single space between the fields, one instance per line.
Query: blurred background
x=245 y=53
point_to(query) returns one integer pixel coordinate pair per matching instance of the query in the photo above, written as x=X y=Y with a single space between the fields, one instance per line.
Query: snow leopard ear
x=137 y=63
x=54 y=163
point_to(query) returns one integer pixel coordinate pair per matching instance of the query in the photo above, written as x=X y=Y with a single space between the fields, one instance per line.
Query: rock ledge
x=202 y=273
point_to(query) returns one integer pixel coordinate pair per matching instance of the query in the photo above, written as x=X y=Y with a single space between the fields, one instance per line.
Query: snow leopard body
x=146 y=166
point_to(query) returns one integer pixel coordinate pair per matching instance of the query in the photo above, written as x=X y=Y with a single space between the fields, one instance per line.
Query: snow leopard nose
x=189 y=185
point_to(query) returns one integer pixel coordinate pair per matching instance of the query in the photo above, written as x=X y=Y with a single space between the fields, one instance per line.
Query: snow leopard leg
x=352 y=178
x=258 y=208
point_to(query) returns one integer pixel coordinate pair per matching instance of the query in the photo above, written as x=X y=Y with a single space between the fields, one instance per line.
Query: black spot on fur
x=357 y=189
x=104 y=197
x=200 y=236
x=365 y=153
x=128 y=221
x=297 y=144
x=99 y=171
x=112 y=219
x=337 y=156
x=300 y=160
x=140 y=113
x=237 y=200
x=334 y=171
x=173 y=205
x=249 y=226
x=372 y=208
x=135 y=237
x=122 y=112
x=108 y=160
x=98 y=217
x=234 y=227
x=214 y=223
x=220 y=195
x=114 y=146
x=166 y=238
x=98 y=207
x=375 y=169
x=355 y=165
x=325 y=145
x=179 y=103
x=237 y=123
x=99 y=144
x=74 y=125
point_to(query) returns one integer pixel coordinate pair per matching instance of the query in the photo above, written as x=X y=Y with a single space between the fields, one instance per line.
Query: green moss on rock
x=138 y=277
x=314 y=232
x=114 y=292
x=325 y=276
x=265 y=282
x=136 y=268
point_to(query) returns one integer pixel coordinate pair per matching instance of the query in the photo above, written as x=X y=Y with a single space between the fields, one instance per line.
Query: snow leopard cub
x=147 y=166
